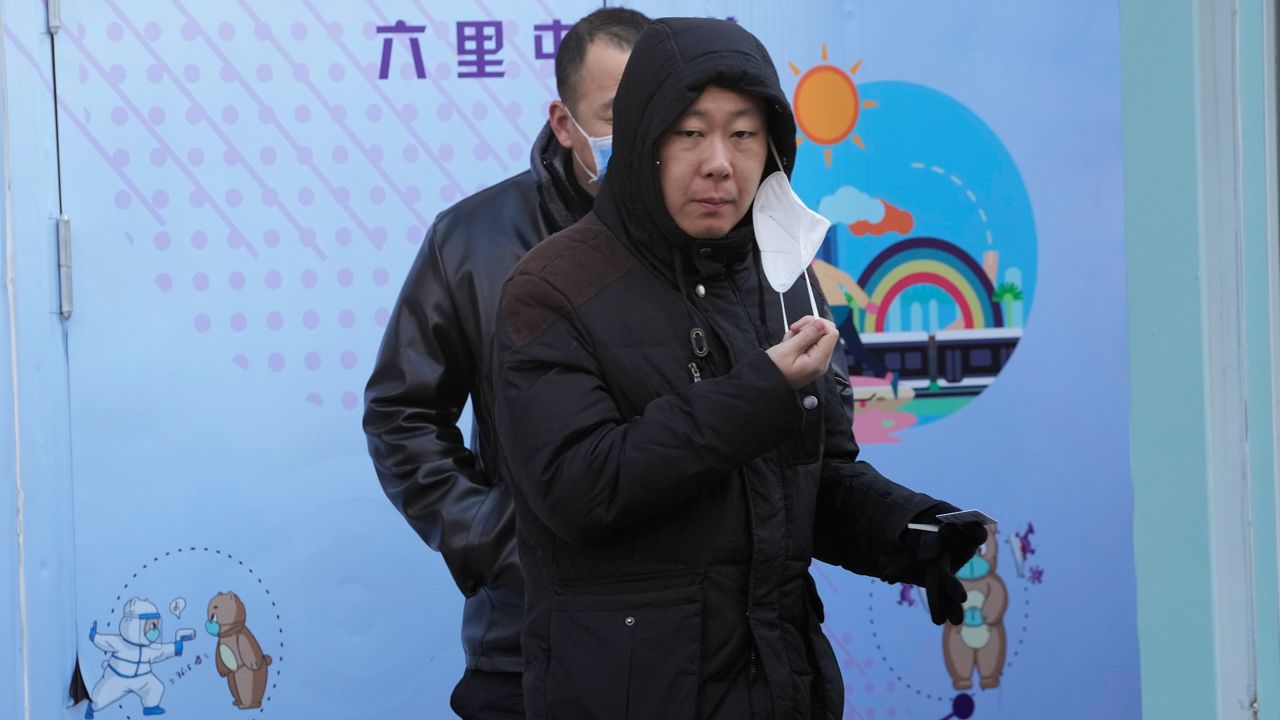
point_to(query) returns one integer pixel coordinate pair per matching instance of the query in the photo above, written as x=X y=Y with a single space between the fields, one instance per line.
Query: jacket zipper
x=693 y=370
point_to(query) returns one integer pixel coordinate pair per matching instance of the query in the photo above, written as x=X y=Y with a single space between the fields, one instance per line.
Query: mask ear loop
x=594 y=177
x=813 y=304
x=776 y=158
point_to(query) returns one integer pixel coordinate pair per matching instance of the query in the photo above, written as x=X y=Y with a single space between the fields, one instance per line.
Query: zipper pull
x=697 y=374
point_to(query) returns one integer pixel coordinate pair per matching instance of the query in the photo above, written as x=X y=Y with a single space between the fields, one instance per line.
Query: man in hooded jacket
x=677 y=458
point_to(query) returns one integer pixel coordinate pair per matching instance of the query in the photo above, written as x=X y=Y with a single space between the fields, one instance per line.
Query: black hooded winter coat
x=671 y=488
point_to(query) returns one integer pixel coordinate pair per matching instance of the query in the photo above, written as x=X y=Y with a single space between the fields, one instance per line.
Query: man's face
x=711 y=160
x=598 y=80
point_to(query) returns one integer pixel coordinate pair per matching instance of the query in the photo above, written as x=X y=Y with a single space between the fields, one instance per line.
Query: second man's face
x=597 y=83
x=711 y=160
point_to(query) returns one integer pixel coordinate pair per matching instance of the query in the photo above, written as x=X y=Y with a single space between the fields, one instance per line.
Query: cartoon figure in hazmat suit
x=128 y=670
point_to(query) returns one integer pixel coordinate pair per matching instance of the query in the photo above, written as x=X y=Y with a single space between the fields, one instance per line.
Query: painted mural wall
x=249 y=183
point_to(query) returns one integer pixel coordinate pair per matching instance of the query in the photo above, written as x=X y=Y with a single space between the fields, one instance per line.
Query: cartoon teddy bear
x=239 y=657
x=980 y=640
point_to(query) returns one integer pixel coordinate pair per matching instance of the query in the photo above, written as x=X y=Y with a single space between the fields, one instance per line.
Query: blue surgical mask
x=974 y=569
x=212 y=627
x=601 y=151
x=153 y=635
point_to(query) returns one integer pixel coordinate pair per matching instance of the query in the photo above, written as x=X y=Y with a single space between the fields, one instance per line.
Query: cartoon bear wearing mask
x=239 y=657
x=979 y=641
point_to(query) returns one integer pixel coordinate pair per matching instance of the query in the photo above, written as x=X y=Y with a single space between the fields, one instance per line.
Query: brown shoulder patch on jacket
x=559 y=275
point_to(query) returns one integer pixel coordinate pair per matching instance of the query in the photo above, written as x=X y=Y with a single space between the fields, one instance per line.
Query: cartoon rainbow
x=929 y=261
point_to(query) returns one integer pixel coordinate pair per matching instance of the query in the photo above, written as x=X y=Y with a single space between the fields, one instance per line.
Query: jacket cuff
x=781 y=409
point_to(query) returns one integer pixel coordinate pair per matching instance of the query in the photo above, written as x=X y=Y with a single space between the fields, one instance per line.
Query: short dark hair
x=620 y=27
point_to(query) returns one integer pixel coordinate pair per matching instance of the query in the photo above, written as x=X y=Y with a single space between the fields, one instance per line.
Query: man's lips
x=711 y=204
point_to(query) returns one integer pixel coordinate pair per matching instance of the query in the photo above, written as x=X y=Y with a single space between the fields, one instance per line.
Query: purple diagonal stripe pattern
x=306 y=238
x=462 y=115
x=328 y=106
x=484 y=85
x=430 y=152
x=68 y=113
x=524 y=57
x=275 y=122
x=159 y=139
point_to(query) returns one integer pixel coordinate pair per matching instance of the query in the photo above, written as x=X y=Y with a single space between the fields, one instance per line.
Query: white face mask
x=601 y=151
x=788 y=233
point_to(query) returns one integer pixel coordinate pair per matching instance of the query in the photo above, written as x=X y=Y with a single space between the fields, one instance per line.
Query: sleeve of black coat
x=586 y=469
x=414 y=398
x=861 y=514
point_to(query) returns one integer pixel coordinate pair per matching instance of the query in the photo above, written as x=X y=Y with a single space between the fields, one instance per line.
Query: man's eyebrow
x=740 y=112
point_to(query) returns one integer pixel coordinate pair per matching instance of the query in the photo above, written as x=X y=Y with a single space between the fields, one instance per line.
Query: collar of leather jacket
x=562 y=201
x=673 y=61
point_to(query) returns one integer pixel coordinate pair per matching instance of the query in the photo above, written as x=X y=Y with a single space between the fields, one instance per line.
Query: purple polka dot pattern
x=275 y=140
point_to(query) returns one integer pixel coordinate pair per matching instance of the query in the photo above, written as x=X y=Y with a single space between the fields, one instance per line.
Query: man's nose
x=715 y=164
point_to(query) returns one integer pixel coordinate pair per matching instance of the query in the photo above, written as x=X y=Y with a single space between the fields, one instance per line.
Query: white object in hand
x=961 y=516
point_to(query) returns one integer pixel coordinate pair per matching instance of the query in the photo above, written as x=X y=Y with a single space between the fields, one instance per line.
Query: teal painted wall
x=1164 y=329
x=1172 y=528
x=1261 y=266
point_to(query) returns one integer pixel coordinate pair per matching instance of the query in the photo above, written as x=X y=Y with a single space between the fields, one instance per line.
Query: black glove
x=941 y=554
x=930 y=560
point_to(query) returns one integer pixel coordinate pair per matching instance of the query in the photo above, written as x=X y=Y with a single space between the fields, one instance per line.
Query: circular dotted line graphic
x=276 y=660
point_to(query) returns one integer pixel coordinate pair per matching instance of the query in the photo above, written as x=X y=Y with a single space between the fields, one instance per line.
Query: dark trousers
x=488 y=696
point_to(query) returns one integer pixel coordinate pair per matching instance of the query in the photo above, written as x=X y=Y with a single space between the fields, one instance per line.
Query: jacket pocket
x=630 y=656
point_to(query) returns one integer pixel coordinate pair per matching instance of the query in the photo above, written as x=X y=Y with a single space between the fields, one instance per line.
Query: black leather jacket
x=436 y=348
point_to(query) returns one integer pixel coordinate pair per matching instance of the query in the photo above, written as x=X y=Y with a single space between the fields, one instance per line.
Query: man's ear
x=561 y=125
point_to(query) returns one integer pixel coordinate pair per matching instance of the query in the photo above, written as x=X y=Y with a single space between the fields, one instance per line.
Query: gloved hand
x=940 y=555
x=931 y=559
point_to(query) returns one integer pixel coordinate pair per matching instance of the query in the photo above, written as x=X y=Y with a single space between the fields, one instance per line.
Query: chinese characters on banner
x=478 y=46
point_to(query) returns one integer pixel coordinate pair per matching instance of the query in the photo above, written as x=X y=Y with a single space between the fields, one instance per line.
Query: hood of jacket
x=673 y=61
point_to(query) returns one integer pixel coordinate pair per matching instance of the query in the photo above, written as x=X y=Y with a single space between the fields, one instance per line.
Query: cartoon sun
x=827 y=105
